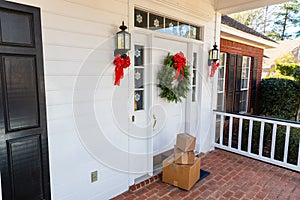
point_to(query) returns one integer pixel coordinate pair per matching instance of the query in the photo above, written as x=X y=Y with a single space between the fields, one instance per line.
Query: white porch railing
x=266 y=139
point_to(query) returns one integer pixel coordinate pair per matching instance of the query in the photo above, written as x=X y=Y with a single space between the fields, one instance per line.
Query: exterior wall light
x=213 y=59
x=123 y=41
x=214 y=53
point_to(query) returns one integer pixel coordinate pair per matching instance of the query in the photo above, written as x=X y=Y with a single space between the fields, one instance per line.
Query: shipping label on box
x=182 y=157
x=185 y=142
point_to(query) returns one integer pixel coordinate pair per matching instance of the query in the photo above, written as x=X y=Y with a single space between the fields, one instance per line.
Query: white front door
x=170 y=117
x=155 y=122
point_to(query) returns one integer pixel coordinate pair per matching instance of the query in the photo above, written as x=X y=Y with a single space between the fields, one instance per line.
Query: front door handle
x=154 y=121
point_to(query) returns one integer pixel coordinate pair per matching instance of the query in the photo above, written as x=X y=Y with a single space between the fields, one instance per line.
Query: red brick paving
x=232 y=177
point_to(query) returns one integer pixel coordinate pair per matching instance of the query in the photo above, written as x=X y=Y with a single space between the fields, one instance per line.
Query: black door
x=23 y=132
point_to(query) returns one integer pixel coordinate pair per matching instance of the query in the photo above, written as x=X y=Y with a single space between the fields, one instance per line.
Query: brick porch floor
x=232 y=177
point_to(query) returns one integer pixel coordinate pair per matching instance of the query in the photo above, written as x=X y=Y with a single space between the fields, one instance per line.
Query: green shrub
x=296 y=74
x=287 y=69
x=279 y=98
x=280 y=76
x=293 y=144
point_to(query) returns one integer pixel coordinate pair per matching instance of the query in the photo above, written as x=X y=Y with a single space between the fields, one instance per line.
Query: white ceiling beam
x=232 y=6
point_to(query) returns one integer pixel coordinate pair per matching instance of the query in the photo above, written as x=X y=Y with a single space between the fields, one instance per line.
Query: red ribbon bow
x=121 y=63
x=214 y=67
x=179 y=63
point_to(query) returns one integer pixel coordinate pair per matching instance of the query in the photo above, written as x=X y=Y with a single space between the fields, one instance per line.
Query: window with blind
x=238 y=81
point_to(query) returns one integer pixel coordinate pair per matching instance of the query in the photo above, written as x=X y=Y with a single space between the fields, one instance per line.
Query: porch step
x=144 y=183
x=153 y=179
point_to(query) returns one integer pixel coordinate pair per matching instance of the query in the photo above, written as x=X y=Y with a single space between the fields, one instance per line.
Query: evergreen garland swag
x=174 y=78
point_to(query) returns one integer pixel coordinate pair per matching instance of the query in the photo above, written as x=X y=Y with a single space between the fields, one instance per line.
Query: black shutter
x=24 y=161
x=253 y=83
x=230 y=82
x=239 y=61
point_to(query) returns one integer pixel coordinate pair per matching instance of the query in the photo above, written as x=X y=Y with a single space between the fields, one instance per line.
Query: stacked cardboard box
x=184 y=149
x=182 y=169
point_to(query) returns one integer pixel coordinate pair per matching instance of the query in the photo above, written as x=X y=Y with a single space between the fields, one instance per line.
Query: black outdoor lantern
x=123 y=41
x=214 y=53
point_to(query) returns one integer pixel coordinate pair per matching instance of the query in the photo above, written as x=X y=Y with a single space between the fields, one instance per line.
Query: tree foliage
x=288 y=57
x=276 y=21
x=251 y=18
x=286 y=16
x=287 y=69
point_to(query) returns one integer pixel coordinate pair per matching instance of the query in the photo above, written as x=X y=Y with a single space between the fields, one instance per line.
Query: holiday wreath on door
x=174 y=78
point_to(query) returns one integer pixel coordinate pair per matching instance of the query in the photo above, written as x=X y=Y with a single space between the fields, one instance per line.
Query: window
x=237 y=83
x=138 y=77
x=221 y=82
x=194 y=77
x=245 y=74
x=151 y=21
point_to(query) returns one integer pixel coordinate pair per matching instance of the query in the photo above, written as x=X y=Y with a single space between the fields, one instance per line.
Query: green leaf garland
x=173 y=89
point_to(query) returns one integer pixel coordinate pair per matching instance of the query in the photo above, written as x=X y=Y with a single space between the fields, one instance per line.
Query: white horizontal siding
x=74 y=67
x=86 y=44
x=77 y=25
x=55 y=37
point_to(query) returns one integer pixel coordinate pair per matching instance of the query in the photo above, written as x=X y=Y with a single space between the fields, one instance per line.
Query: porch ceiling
x=233 y=6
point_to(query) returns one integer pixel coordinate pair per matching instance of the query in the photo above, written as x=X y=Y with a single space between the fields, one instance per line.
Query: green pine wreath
x=173 y=89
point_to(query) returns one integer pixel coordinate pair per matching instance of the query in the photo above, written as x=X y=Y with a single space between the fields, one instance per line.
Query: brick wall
x=233 y=47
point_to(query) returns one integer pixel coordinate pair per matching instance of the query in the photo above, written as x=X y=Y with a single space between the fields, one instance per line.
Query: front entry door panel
x=170 y=117
x=23 y=133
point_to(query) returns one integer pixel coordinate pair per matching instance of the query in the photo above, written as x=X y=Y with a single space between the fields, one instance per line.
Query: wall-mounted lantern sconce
x=213 y=60
x=214 y=53
x=123 y=41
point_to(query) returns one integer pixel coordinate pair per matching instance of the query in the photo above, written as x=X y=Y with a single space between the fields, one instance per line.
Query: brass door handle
x=155 y=120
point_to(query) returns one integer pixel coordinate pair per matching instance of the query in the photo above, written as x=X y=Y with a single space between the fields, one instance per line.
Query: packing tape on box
x=175 y=183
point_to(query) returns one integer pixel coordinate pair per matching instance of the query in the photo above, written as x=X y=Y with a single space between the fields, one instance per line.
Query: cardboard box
x=182 y=176
x=181 y=157
x=185 y=142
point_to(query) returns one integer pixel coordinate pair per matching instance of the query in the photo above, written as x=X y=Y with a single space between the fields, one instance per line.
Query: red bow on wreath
x=179 y=63
x=214 y=67
x=121 y=63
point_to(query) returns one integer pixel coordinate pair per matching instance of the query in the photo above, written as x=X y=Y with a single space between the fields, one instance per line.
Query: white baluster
x=221 y=129
x=250 y=135
x=273 y=141
x=261 y=138
x=230 y=131
x=240 y=133
x=287 y=142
